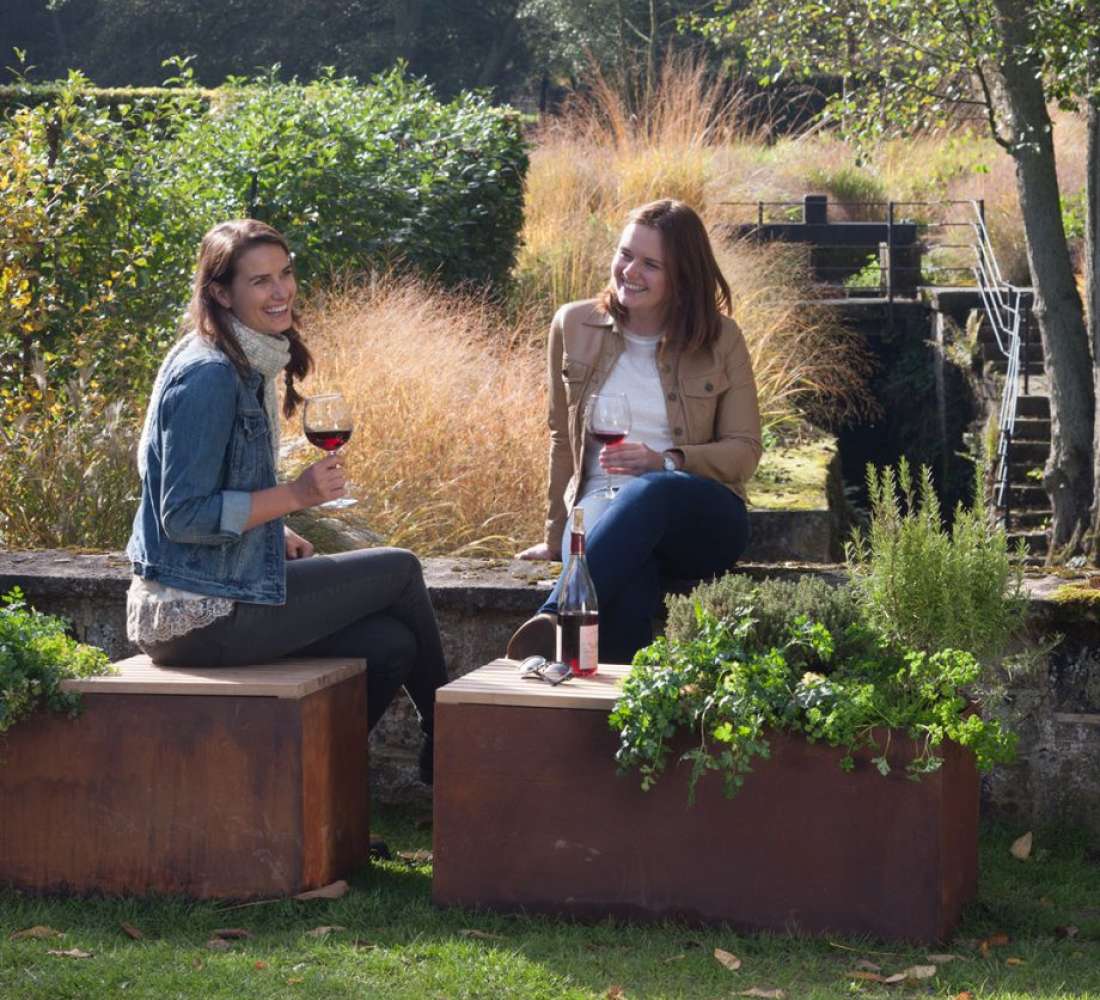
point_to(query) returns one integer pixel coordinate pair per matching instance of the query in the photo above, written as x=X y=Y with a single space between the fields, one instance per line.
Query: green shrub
x=35 y=657
x=769 y=606
x=929 y=589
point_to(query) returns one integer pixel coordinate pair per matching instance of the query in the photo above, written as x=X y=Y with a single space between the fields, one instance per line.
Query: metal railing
x=1008 y=309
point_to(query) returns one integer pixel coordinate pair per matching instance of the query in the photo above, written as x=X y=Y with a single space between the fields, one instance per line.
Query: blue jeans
x=660 y=526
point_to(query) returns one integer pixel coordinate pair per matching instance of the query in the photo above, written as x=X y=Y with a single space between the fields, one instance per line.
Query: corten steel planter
x=210 y=783
x=531 y=815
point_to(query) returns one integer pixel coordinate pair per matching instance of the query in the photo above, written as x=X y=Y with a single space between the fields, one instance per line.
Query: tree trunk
x=1092 y=252
x=1069 y=470
x=503 y=45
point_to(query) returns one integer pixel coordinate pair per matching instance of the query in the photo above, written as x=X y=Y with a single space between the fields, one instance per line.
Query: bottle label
x=589 y=642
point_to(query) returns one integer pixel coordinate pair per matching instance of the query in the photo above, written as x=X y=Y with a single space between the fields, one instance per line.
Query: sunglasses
x=539 y=669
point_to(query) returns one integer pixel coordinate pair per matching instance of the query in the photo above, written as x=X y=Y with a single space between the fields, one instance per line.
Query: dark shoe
x=379 y=850
x=535 y=637
x=425 y=762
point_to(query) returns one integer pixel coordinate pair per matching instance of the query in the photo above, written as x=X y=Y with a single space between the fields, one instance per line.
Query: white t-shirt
x=634 y=375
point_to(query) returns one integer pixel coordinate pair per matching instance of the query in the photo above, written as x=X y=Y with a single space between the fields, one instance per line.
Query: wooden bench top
x=291 y=678
x=499 y=683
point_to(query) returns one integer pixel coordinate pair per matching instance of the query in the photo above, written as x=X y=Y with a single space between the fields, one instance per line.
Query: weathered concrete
x=1055 y=707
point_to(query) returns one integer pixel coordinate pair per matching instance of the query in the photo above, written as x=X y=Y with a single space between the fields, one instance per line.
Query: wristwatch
x=669 y=462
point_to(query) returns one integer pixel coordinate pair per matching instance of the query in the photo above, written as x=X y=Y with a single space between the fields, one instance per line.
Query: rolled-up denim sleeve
x=195 y=424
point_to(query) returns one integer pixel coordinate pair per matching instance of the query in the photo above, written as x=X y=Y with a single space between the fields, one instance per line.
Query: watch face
x=670 y=464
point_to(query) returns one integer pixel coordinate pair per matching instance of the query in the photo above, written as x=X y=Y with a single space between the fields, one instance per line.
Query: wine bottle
x=578 y=615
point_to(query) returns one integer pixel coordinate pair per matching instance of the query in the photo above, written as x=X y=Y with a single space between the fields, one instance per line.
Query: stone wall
x=1055 y=708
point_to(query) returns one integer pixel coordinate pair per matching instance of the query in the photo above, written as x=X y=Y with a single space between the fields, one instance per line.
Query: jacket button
x=672 y=396
x=677 y=432
x=666 y=367
x=709 y=387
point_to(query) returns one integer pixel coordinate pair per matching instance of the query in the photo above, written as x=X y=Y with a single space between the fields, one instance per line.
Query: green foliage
x=35 y=657
x=927 y=588
x=902 y=649
x=102 y=207
x=768 y=607
x=727 y=690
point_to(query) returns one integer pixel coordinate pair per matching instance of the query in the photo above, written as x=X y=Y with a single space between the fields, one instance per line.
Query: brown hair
x=698 y=292
x=221 y=250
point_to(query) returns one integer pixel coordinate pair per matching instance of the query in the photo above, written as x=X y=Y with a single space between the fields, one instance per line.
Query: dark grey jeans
x=371 y=603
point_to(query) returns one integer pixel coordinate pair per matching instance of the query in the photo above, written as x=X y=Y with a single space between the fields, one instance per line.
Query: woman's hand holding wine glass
x=327 y=423
x=608 y=422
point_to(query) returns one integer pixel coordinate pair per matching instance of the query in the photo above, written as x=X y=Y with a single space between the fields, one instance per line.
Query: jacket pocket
x=574 y=374
x=701 y=394
x=250 y=452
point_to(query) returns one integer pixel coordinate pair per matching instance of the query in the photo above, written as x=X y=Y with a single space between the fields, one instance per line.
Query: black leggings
x=371 y=603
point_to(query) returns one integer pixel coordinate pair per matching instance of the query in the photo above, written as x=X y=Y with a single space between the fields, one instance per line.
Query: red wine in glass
x=327 y=423
x=608 y=418
x=328 y=440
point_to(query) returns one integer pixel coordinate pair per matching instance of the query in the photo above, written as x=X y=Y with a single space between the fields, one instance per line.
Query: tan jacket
x=710 y=396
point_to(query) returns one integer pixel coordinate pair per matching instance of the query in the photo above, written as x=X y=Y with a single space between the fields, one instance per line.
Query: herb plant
x=35 y=657
x=901 y=649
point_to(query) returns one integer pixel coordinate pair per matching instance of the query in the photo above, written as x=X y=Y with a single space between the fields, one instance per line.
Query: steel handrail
x=1005 y=306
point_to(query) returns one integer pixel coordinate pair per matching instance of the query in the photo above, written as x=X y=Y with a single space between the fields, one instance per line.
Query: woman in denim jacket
x=212 y=583
x=658 y=335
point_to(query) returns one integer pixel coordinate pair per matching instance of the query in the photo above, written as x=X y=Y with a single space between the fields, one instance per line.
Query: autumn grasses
x=1034 y=933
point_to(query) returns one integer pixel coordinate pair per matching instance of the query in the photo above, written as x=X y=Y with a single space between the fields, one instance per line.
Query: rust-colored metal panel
x=185 y=794
x=530 y=814
x=335 y=791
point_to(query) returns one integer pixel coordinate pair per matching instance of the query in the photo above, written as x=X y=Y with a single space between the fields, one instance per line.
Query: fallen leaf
x=299 y=966
x=676 y=958
x=1046 y=902
x=965 y=995
x=295 y=981
x=1021 y=847
x=71 y=953
x=38 y=931
x=615 y=993
x=729 y=960
x=479 y=935
x=259 y=964
x=913 y=972
x=1014 y=961
x=1066 y=931
x=231 y=933
x=769 y=994
x=364 y=944
x=942 y=959
x=867 y=965
x=196 y=964
x=419 y=857
x=998 y=940
x=218 y=944
x=869 y=977
x=325 y=931
x=334 y=890
x=131 y=931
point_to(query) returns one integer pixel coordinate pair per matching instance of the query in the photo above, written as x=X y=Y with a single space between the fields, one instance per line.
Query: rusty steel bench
x=235 y=782
x=530 y=815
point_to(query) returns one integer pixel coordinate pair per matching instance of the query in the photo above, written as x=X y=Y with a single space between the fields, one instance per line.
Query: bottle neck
x=576 y=543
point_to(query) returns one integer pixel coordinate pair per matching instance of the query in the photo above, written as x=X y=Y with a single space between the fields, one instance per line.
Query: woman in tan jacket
x=658 y=335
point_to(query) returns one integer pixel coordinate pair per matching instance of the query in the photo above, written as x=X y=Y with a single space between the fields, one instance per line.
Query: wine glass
x=327 y=423
x=609 y=423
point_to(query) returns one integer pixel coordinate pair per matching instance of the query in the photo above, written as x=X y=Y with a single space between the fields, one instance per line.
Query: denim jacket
x=209 y=447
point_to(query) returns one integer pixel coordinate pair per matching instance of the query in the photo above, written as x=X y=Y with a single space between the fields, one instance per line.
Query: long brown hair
x=219 y=253
x=698 y=292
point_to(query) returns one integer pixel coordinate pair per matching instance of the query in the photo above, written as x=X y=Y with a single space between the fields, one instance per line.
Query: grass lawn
x=391 y=942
